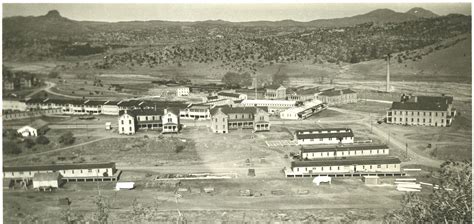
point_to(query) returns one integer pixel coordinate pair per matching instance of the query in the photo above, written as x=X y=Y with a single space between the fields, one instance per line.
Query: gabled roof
x=129 y=112
x=57 y=167
x=46 y=176
x=237 y=110
x=357 y=160
x=130 y=103
x=173 y=110
x=319 y=130
x=344 y=148
x=334 y=92
x=148 y=112
x=432 y=99
x=236 y=95
x=111 y=102
x=301 y=91
x=95 y=102
x=324 y=135
x=37 y=100
x=418 y=106
x=164 y=104
x=38 y=124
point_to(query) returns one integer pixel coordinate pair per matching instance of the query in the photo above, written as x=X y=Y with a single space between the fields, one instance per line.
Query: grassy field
x=81 y=136
x=290 y=200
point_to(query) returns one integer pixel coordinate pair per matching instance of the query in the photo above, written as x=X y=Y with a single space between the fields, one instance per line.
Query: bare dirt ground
x=277 y=199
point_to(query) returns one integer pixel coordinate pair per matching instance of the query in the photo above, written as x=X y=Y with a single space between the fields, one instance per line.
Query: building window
x=379 y=166
x=223 y=126
x=122 y=121
x=129 y=121
x=130 y=128
x=123 y=129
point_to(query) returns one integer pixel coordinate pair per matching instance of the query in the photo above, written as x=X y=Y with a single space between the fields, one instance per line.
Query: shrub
x=11 y=148
x=67 y=138
x=29 y=143
x=53 y=74
x=42 y=140
x=179 y=148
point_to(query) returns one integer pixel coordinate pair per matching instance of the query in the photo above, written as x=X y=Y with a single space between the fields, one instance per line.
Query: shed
x=319 y=179
x=108 y=125
x=124 y=185
x=36 y=128
x=371 y=180
x=46 y=180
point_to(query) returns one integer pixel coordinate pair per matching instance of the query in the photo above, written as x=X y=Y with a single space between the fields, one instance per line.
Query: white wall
x=346 y=140
x=346 y=169
x=45 y=183
x=27 y=131
x=126 y=124
x=349 y=153
x=95 y=172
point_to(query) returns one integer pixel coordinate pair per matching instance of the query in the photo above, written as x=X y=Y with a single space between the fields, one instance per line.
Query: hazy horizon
x=229 y=12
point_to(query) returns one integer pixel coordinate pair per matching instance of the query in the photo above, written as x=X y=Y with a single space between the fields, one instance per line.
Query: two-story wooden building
x=225 y=118
x=275 y=92
x=337 y=97
x=436 y=111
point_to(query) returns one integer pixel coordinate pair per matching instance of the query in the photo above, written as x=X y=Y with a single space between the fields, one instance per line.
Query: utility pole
x=406 y=150
x=370 y=120
x=388 y=137
x=256 y=85
x=388 y=72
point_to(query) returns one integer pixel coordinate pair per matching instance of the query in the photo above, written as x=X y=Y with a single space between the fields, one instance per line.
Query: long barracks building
x=354 y=166
x=324 y=136
x=343 y=151
x=434 y=111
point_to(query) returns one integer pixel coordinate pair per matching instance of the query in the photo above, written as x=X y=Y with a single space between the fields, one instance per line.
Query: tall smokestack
x=388 y=73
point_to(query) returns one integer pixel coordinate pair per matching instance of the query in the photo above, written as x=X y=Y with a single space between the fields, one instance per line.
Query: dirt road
x=394 y=142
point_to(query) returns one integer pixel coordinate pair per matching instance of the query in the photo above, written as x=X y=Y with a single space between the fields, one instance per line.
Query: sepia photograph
x=237 y=112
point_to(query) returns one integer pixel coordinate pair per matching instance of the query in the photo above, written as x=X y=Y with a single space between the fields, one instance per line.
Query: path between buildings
x=382 y=133
x=378 y=101
x=55 y=150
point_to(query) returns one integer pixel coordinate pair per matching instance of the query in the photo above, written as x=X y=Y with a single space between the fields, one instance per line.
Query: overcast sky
x=230 y=12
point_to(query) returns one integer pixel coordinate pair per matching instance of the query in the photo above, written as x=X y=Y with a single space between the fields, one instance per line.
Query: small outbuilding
x=124 y=186
x=108 y=125
x=371 y=180
x=38 y=127
x=320 y=179
x=46 y=180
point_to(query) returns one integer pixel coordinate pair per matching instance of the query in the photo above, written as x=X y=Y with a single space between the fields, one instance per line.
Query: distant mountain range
x=54 y=23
